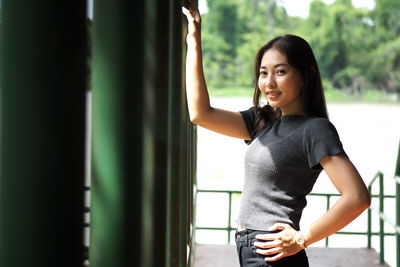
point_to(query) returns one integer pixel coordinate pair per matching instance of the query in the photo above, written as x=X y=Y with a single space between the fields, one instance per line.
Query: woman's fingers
x=278 y=252
x=271 y=244
x=192 y=14
x=267 y=236
x=279 y=226
x=270 y=251
x=276 y=257
x=185 y=11
x=277 y=244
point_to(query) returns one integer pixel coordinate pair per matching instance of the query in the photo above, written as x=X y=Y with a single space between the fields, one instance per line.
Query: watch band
x=300 y=240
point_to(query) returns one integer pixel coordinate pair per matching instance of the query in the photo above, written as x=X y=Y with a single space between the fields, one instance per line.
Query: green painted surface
x=143 y=143
x=43 y=86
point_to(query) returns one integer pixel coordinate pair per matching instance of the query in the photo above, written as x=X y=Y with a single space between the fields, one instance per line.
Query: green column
x=141 y=178
x=43 y=86
x=181 y=152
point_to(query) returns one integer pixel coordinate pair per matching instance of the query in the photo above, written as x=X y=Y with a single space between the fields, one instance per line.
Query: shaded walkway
x=225 y=256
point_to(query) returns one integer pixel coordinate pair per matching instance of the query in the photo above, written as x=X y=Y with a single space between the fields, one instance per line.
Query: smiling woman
x=288 y=75
x=290 y=142
x=280 y=83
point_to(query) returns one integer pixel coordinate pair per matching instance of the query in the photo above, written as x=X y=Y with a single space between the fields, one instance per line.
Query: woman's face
x=280 y=83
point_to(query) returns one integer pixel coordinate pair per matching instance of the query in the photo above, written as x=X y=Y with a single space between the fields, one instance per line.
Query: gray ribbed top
x=281 y=167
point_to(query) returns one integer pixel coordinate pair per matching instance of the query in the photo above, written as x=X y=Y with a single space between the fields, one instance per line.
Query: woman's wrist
x=307 y=237
x=194 y=34
x=300 y=239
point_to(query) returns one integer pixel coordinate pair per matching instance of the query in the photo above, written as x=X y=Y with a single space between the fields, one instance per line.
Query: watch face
x=300 y=239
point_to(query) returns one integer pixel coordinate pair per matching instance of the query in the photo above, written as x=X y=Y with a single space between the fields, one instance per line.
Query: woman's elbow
x=358 y=201
x=364 y=200
x=195 y=118
x=199 y=117
x=367 y=201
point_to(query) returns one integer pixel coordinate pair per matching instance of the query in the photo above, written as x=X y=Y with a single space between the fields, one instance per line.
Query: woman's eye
x=281 y=71
x=263 y=73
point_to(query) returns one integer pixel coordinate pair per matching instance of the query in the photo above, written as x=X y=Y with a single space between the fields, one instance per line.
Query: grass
x=234 y=91
x=331 y=95
x=367 y=96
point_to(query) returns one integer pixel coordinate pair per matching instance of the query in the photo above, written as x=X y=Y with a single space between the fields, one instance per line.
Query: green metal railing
x=380 y=210
x=229 y=227
x=384 y=217
x=328 y=197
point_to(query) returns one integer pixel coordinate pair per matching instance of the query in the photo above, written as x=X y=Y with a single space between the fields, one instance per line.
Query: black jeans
x=249 y=258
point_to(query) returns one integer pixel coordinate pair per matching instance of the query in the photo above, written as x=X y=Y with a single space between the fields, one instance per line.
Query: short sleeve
x=249 y=117
x=321 y=139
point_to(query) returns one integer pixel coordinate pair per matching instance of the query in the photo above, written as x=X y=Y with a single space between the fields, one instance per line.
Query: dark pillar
x=43 y=83
x=142 y=141
x=181 y=153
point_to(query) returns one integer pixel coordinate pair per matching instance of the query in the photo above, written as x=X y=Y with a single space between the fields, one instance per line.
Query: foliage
x=331 y=94
x=357 y=49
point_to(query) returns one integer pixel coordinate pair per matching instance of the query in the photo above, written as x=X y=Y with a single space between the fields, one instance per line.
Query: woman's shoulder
x=319 y=125
x=249 y=112
x=249 y=116
x=318 y=121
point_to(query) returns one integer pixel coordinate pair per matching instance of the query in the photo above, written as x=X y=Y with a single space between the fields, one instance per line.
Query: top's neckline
x=293 y=116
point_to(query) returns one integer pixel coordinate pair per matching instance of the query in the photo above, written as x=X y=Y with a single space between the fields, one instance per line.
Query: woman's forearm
x=196 y=89
x=345 y=210
x=354 y=199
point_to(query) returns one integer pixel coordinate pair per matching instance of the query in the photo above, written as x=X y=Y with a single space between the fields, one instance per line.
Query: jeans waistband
x=249 y=233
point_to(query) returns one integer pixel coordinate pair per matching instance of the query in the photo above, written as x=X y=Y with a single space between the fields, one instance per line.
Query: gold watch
x=300 y=240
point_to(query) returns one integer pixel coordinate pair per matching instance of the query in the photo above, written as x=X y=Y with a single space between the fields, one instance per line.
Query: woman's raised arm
x=200 y=111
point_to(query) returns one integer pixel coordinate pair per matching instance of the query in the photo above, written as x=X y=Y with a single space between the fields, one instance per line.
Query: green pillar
x=182 y=152
x=43 y=86
x=142 y=171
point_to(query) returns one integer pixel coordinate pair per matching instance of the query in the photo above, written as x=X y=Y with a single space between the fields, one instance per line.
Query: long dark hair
x=300 y=56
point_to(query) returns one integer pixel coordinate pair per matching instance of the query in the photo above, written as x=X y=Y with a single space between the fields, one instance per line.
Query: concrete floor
x=225 y=256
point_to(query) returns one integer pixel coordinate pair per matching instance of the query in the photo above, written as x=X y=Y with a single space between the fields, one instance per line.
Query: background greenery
x=358 y=50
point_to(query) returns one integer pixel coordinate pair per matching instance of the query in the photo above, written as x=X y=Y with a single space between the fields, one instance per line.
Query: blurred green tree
x=357 y=49
x=220 y=41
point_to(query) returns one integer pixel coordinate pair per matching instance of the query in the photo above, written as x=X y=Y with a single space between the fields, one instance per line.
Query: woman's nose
x=271 y=83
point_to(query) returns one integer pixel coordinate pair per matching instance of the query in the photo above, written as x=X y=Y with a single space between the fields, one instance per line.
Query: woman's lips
x=273 y=94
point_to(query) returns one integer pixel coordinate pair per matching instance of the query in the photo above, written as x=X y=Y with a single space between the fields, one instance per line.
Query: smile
x=273 y=94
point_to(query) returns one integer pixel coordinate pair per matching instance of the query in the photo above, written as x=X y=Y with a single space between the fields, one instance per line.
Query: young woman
x=290 y=142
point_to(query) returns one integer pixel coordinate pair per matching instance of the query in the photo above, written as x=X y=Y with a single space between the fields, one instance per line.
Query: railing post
x=369 y=223
x=229 y=217
x=397 y=223
x=328 y=205
x=397 y=173
x=381 y=222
